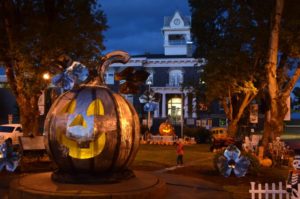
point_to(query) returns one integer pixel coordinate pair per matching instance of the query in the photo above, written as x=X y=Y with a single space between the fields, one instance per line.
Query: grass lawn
x=198 y=161
x=154 y=157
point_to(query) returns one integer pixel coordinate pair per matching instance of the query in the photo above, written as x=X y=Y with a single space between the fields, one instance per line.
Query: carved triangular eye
x=69 y=107
x=95 y=108
x=78 y=121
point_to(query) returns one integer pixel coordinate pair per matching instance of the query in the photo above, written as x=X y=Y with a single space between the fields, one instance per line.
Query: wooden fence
x=269 y=192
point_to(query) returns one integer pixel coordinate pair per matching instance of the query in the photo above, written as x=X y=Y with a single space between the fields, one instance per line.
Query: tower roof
x=186 y=19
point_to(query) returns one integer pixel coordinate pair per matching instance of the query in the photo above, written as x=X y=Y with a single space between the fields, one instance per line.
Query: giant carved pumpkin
x=91 y=129
x=166 y=128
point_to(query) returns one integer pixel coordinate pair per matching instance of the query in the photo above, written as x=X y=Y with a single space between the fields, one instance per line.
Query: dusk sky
x=135 y=25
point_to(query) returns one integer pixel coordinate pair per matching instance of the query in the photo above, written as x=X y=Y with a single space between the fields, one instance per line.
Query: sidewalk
x=184 y=187
x=179 y=186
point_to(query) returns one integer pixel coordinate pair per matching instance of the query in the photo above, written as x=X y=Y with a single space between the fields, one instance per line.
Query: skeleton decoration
x=92 y=131
x=294 y=179
x=233 y=161
x=8 y=158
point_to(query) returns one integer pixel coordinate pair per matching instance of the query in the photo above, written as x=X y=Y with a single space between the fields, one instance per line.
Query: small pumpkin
x=166 y=128
x=91 y=129
x=265 y=162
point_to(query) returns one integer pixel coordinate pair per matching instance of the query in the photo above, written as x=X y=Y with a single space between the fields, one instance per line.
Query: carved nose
x=78 y=121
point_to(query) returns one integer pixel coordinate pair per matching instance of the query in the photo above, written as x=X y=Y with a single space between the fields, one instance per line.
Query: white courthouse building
x=167 y=73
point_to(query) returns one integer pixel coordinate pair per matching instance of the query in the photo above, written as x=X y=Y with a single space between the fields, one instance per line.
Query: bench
x=32 y=146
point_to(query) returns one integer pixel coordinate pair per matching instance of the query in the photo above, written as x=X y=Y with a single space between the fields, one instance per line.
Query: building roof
x=159 y=56
x=186 y=19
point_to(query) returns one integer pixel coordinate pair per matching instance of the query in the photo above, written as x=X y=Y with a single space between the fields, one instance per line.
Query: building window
x=129 y=98
x=175 y=78
x=109 y=77
x=174 y=109
x=177 y=39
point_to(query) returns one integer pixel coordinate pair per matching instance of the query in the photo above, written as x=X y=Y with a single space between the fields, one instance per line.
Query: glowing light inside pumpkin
x=83 y=138
x=95 y=108
x=83 y=151
x=166 y=128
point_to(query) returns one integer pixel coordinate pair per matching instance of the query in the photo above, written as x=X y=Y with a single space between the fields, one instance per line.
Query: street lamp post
x=149 y=113
x=181 y=118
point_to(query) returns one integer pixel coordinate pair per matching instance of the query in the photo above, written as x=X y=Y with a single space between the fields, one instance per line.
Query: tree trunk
x=268 y=133
x=233 y=127
x=29 y=115
x=273 y=89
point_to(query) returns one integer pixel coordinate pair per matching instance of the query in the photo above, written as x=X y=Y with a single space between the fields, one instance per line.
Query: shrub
x=201 y=134
x=254 y=167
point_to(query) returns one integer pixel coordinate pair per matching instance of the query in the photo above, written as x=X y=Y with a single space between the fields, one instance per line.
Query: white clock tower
x=177 y=35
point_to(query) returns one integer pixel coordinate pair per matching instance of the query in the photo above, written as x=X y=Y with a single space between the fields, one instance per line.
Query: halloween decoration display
x=294 y=179
x=92 y=133
x=150 y=99
x=278 y=151
x=131 y=80
x=8 y=157
x=166 y=128
x=74 y=74
x=265 y=162
x=233 y=161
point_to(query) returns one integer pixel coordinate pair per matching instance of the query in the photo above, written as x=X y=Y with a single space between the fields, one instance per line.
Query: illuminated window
x=174 y=108
x=175 y=78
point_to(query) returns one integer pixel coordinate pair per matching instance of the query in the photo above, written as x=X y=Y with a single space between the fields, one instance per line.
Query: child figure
x=294 y=179
x=179 y=151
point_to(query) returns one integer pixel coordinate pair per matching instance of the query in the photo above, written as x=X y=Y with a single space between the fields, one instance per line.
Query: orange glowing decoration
x=92 y=131
x=166 y=128
x=46 y=76
x=266 y=162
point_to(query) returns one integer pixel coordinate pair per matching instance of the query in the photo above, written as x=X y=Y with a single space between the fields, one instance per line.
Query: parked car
x=220 y=138
x=13 y=131
x=218 y=132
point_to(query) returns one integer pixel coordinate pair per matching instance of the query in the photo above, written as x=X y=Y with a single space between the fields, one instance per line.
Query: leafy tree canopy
x=233 y=35
x=34 y=34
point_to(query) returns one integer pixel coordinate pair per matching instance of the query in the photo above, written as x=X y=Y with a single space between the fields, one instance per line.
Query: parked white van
x=13 y=131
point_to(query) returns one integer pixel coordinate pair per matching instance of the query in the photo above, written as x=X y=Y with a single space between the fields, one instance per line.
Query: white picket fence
x=269 y=192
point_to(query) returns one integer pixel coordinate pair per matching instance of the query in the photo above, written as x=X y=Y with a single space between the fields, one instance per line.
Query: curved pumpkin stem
x=110 y=58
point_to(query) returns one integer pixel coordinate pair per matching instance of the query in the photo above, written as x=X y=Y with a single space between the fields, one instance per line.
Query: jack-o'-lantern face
x=84 y=138
x=81 y=122
x=166 y=129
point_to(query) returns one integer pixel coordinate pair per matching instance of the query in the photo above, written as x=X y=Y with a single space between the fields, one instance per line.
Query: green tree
x=227 y=38
x=236 y=39
x=284 y=38
x=35 y=33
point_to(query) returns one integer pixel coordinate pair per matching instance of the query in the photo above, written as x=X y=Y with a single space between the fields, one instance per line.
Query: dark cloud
x=135 y=25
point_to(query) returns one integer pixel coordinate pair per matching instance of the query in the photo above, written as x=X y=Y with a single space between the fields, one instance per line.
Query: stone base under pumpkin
x=90 y=178
x=143 y=186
